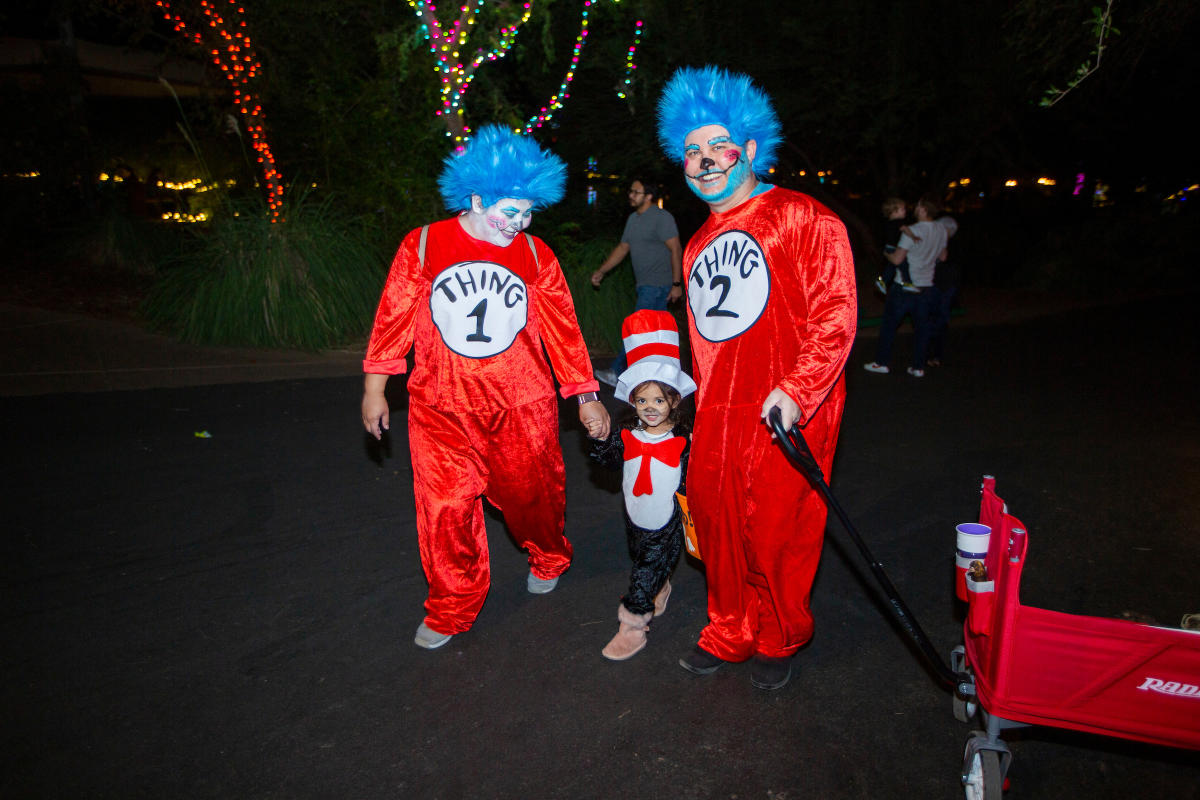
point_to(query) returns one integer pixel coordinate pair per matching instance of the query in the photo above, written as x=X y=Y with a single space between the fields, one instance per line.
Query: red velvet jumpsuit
x=483 y=419
x=771 y=302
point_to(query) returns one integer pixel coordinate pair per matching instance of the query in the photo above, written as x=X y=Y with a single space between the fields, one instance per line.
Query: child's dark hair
x=673 y=397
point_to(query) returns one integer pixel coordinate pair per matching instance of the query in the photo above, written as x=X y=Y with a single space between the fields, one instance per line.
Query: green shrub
x=311 y=282
x=108 y=239
x=123 y=243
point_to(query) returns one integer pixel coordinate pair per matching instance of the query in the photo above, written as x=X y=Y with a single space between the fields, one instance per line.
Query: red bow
x=667 y=451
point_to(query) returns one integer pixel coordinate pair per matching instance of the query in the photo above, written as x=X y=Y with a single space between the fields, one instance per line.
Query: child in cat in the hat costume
x=651 y=449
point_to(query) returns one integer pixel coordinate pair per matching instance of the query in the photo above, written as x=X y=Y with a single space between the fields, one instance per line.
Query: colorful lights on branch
x=448 y=43
x=630 y=64
x=223 y=35
x=456 y=66
x=560 y=97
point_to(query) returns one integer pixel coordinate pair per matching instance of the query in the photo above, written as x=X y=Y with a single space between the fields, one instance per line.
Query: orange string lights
x=229 y=47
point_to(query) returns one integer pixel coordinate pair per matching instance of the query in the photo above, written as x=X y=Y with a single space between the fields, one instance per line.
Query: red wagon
x=1022 y=666
x=1031 y=666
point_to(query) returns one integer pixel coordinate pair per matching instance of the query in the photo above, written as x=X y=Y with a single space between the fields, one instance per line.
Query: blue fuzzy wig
x=695 y=97
x=498 y=163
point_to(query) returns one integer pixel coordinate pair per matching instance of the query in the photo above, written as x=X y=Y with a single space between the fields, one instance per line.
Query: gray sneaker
x=537 y=585
x=430 y=639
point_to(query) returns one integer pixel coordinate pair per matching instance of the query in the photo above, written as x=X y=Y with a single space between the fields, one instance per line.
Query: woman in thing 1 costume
x=486 y=310
x=652 y=452
x=771 y=314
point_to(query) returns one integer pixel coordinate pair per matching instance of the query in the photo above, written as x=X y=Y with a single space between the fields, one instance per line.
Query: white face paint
x=500 y=222
x=718 y=169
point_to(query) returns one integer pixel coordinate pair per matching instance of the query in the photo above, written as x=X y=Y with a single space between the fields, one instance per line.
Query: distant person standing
x=651 y=240
x=924 y=246
x=948 y=281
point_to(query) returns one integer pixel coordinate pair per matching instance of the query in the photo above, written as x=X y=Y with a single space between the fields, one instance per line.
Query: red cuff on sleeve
x=572 y=389
x=394 y=367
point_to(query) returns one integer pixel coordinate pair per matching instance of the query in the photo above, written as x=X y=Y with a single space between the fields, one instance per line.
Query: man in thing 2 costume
x=482 y=305
x=771 y=311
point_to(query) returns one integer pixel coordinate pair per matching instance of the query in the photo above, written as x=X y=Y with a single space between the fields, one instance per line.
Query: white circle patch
x=728 y=286
x=479 y=308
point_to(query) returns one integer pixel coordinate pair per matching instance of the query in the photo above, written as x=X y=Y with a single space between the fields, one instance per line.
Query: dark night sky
x=1128 y=120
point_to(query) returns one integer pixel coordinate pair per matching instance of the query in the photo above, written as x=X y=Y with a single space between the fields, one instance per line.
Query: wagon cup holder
x=982 y=598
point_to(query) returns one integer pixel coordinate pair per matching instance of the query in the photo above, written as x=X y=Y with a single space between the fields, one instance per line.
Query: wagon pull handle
x=796 y=449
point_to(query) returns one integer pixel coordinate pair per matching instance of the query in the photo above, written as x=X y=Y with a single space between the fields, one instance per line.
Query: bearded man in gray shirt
x=652 y=242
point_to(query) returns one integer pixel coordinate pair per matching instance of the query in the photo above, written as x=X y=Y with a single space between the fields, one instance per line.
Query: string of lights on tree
x=560 y=97
x=448 y=44
x=230 y=49
x=630 y=64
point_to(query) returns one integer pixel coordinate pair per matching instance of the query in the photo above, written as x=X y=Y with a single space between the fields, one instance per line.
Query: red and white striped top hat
x=651 y=341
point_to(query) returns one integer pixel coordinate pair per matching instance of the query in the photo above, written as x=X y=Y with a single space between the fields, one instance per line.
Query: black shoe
x=770 y=673
x=701 y=662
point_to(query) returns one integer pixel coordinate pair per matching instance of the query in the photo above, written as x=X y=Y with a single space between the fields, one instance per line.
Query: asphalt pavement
x=211 y=582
